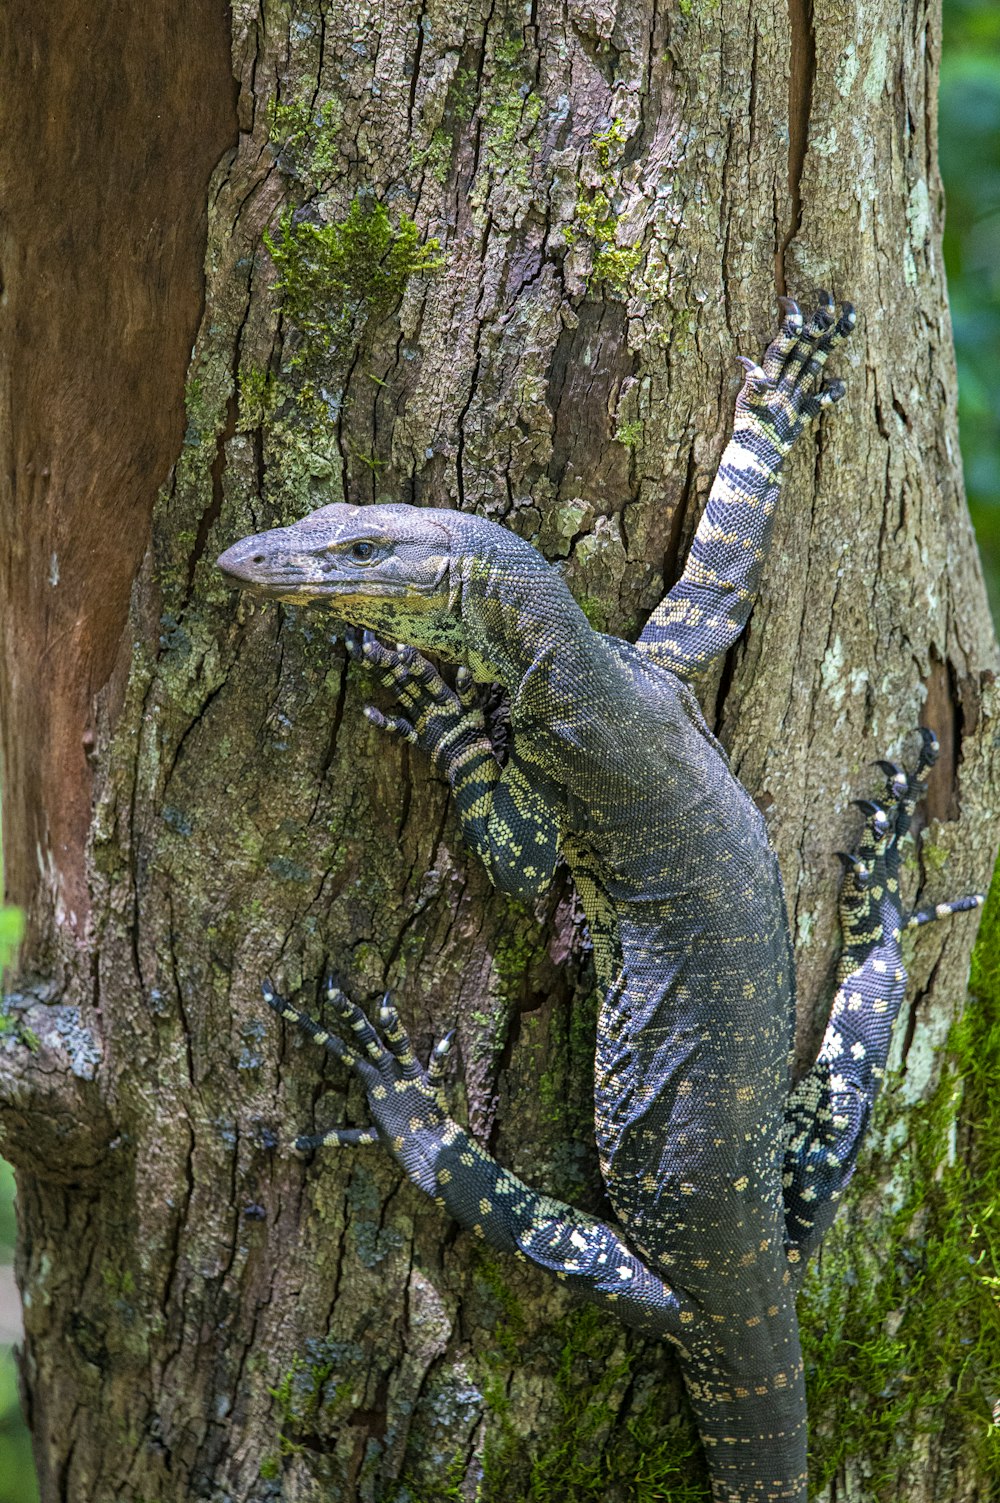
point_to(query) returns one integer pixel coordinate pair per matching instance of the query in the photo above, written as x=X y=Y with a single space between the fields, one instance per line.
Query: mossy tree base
x=498 y=261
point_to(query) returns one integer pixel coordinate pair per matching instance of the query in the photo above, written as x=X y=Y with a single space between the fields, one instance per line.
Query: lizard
x=723 y=1177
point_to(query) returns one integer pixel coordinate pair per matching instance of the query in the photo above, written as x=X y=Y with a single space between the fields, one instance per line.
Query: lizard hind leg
x=828 y=1111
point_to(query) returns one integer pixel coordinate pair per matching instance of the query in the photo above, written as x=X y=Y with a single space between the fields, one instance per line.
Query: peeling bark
x=193 y=797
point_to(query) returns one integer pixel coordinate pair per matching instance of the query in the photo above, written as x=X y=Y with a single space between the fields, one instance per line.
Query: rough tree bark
x=194 y=799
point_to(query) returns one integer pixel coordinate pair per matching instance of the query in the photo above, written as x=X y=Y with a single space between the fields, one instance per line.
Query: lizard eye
x=362 y=553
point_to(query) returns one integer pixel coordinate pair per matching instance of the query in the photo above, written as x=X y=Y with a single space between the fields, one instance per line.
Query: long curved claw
x=436 y=1066
x=859 y=870
x=930 y=749
x=356 y=1021
x=397 y=1038
x=879 y=819
x=826 y=309
x=793 y=319
x=756 y=378
x=848 y=319
x=896 y=777
x=439 y=1054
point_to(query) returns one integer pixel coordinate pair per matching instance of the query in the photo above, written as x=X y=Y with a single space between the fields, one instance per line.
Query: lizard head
x=447 y=582
x=386 y=567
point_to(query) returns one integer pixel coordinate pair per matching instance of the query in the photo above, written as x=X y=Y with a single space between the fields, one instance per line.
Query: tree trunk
x=195 y=800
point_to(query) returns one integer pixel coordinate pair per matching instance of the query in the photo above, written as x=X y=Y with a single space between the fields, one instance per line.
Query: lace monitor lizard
x=722 y=1178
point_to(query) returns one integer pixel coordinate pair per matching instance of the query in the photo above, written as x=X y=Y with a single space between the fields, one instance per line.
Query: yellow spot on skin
x=686 y=1317
x=467 y=1159
x=485 y=1207
x=741 y=1183
x=379 y=1092
x=444 y=1178
x=399 y=1086
x=753 y=1320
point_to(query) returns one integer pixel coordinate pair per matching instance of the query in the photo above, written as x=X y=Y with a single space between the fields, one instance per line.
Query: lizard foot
x=786 y=392
x=443 y=721
x=405 y=1100
x=872 y=872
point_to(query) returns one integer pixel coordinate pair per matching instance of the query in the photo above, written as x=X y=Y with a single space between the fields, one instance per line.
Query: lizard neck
x=519 y=621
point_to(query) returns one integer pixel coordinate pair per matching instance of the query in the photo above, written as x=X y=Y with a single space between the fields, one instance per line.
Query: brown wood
x=113 y=117
x=193 y=797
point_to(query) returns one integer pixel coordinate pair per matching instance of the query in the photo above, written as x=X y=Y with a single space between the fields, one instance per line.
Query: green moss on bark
x=613 y=264
x=335 y=276
x=608 y=1441
x=900 y=1322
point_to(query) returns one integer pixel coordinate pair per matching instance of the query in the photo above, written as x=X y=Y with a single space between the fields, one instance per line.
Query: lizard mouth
x=308 y=580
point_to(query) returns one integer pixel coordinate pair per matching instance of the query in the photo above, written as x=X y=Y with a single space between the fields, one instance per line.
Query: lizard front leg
x=510 y=815
x=707 y=608
x=440 y=1158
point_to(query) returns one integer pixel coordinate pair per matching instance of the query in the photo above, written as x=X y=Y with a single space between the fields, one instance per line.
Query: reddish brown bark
x=113 y=118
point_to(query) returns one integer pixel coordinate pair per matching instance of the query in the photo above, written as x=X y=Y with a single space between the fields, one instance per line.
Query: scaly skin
x=722 y=1181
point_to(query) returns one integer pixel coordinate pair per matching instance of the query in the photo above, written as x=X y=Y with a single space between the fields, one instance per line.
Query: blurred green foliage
x=17 y=1471
x=969 y=133
x=10 y=935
